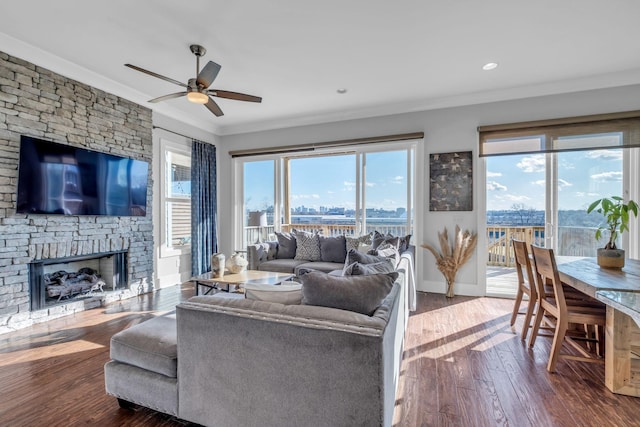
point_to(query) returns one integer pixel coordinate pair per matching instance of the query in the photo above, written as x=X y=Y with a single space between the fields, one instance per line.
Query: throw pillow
x=388 y=251
x=288 y=293
x=379 y=239
x=362 y=294
x=333 y=249
x=308 y=247
x=356 y=242
x=359 y=269
x=286 y=245
x=357 y=256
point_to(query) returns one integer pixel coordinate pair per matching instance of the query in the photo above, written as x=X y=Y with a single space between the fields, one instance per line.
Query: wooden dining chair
x=567 y=312
x=526 y=286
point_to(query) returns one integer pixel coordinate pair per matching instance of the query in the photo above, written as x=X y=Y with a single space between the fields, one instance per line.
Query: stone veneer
x=39 y=103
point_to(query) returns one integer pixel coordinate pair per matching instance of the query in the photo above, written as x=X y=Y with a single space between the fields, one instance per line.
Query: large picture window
x=349 y=191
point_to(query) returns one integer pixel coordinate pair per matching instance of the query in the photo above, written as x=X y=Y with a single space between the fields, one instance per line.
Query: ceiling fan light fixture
x=197 y=97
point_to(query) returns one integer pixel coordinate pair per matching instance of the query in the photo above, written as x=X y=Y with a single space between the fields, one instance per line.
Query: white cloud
x=304 y=196
x=495 y=186
x=397 y=179
x=493 y=174
x=607 y=176
x=583 y=194
x=563 y=183
x=530 y=164
x=513 y=198
x=371 y=184
x=540 y=182
x=605 y=154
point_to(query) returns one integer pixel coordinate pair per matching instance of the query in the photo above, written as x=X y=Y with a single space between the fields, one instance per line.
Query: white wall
x=170 y=269
x=446 y=130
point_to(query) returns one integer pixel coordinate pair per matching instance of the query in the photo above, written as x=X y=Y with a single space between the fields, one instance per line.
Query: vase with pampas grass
x=451 y=257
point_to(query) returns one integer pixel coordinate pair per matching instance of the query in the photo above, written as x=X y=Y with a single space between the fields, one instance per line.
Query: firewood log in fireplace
x=63 y=284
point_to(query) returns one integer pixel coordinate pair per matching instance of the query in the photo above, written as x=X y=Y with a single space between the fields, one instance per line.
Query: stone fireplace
x=40 y=103
x=58 y=280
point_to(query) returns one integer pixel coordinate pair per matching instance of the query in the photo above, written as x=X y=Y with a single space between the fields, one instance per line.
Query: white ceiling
x=392 y=56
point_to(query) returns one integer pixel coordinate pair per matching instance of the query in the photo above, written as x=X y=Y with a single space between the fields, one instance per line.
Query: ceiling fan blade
x=170 y=96
x=208 y=74
x=214 y=108
x=234 y=95
x=151 y=73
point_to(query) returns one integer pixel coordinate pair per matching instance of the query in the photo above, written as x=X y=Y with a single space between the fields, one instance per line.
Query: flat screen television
x=58 y=179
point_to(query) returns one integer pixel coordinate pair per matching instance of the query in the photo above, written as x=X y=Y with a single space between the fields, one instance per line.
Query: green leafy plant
x=616 y=215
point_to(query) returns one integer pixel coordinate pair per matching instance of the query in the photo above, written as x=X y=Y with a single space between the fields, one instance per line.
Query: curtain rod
x=179 y=134
x=330 y=144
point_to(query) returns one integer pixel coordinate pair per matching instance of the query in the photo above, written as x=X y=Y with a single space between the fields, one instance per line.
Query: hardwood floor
x=463 y=366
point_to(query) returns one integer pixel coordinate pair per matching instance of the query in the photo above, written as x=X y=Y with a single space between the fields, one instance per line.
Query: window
x=176 y=200
x=350 y=190
x=542 y=176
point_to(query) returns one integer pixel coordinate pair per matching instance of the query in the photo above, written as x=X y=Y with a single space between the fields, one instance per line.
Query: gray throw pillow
x=286 y=245
x=358 y=269
x=387 y=250
x=308 y=247
x=362 y=294
x=357 y=256
x=333 y=249
x=379 y=239
x=354 y=242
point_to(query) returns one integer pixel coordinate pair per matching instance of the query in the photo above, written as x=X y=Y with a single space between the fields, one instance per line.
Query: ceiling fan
x=197 y=88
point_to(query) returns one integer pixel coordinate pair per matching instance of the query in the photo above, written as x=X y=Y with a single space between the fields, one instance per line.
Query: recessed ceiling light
x=341 y=91
x=490 y=66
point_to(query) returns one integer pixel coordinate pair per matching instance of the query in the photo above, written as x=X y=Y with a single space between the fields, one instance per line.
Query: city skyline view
x=330 y=181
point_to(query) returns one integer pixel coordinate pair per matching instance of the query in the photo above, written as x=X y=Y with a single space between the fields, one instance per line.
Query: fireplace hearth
x=58 y=280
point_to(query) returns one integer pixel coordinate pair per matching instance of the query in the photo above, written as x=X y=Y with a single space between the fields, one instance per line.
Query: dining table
x=619 y=290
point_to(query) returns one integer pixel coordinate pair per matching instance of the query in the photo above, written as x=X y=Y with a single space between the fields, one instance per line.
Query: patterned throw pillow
x=355 y=242
x=389 y=251
x=308 y=247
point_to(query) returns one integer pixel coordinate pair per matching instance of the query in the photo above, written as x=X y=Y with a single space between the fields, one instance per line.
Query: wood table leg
x=622 y=355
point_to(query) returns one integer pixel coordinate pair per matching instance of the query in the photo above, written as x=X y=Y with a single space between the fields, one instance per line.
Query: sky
x=583 y=177
x=331 y=182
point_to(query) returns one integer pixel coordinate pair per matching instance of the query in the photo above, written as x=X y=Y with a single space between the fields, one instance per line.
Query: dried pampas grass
x=450 y=259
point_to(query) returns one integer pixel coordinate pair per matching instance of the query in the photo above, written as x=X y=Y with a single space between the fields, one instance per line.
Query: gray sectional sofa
x=240 y=362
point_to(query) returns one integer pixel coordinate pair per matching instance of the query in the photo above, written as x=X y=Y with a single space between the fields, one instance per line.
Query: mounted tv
x=58 y=179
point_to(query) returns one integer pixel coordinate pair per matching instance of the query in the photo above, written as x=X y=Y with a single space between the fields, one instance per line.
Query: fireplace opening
x=60 y=280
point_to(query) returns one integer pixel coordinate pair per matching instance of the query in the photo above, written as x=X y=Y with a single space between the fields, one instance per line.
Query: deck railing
x=572 y=241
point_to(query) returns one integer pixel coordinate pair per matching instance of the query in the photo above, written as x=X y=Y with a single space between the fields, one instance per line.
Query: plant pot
x=611 y=258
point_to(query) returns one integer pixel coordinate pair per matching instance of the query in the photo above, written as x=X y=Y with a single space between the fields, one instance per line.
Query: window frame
x=411 y=146
x=168 y=146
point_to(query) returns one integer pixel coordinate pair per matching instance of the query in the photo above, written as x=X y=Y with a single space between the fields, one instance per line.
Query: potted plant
x=616 y=214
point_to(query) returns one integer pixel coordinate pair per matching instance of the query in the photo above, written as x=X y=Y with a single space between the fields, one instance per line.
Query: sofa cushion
x=357 y=268
x=150 y=345
x=362 y=294
x=308 y=247
x=333 y=249
x=325 y=267
x=286 y=245
x=287 y=293
x=281 y=265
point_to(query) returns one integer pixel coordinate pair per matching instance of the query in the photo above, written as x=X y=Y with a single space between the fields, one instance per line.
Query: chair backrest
x=523 y=267
x=547 y=270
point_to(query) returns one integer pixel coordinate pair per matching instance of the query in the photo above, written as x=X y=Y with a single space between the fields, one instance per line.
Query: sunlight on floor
x=53 y=350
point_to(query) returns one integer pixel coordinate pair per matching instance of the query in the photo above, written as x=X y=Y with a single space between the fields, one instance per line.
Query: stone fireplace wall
x=39 y=103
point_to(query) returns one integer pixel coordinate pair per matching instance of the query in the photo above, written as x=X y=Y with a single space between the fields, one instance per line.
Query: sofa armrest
x=260 y=252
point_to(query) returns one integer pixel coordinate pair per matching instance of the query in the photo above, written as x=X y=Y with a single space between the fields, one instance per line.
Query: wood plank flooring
x=463 y=366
